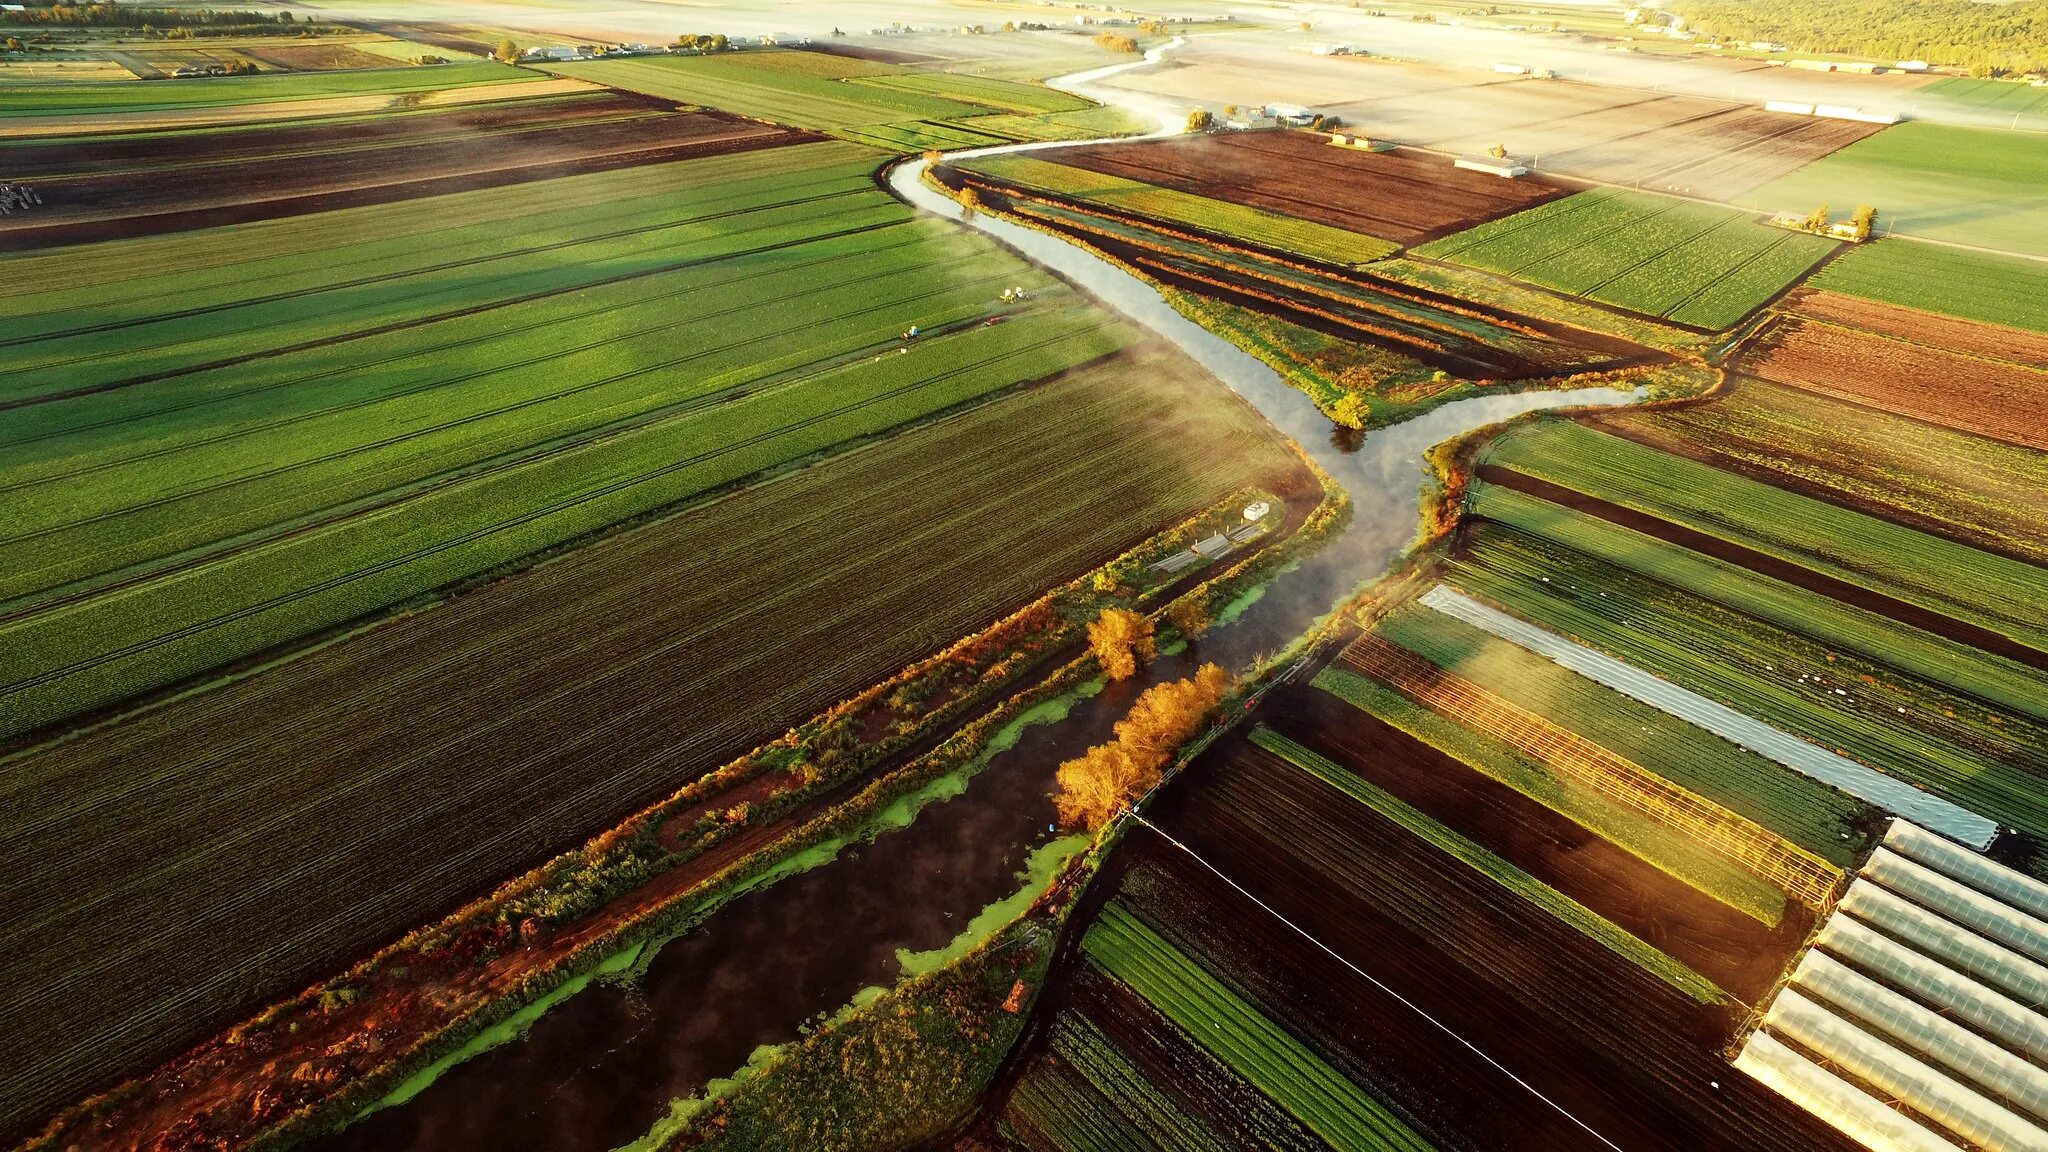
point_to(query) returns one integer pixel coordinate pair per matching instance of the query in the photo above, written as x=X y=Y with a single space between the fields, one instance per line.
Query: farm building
x=1922 y=990
x=1506 y=167
x=1362 y=143
x=1292 y=114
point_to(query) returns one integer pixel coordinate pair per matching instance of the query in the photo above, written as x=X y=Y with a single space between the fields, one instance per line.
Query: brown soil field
x=539 y=710
x=1990 y=398
x=1855 y=595
x=453 y=37
x=875 y=55
x=1736 y=952
x=139 y=201
x=108 y=155
x=1404 y=196
x=2027 y=349
x=1618 y=1049
x=317 y=57
x=1717 y=147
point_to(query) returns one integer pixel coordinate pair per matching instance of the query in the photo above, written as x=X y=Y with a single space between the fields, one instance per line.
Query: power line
x=1377 y=983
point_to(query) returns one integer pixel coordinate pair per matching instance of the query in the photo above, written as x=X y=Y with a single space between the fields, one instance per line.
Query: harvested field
x=295 y=176
x=315 y=57
x=1618 y=1048
x=286 y=822
x=1724 y=154
x=1995 y=398
x=1404 y=196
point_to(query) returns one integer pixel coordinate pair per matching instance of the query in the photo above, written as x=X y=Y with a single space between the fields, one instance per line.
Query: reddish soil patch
x=1606 y=1041
x=318 y=57
x=1734 y=951
x=877 y=55
x=1967 y=336
x=137 y=202
x=1854 y=595
x=1990 y=398
x=1404 y=196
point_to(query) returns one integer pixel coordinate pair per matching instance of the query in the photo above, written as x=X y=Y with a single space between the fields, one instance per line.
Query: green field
x=882 y=105
x=541 y=709
x=1965 y=583
x=214 y=464
x=2005 y=103
x=1992 y=288
x=113 y=97
x=1978 y=186
x=1984 y=758
x=1695 y=264
x=1804 y=811
x=1286 y=233
x=1242 y=1037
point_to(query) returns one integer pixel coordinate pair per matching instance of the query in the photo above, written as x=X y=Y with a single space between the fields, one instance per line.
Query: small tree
x=970 y=202
x=1863 y=219
x=1498 y=152
x=1190 y=614
x=1200 y=120
x=507 y=51
x=1351 y=410
x=1121 y=640
x=1817 y=220
x=1104 y=780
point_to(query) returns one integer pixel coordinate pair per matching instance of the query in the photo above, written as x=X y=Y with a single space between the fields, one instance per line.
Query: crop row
x=1894 y=465
x=1484 y=861
x=1808 y=813
x=1693 y=263
x=1964 y=583
x=1301 y=237
x=1952 y=745
x=1585 y=764
x=73 y=98
x=1242 y=1037
x=537 y=710
x=1984 y=286
x=1114 y=1088
x=1878 y=639
x=433 y=419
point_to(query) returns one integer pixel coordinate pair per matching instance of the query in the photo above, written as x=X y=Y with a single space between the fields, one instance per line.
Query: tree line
x=124 y=16
x=1988 y=39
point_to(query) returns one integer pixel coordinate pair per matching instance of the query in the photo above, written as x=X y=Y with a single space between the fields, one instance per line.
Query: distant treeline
x=129 y=16
x=1989 y=39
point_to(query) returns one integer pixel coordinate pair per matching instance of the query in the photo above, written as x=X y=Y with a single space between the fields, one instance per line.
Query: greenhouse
x=1920 y=997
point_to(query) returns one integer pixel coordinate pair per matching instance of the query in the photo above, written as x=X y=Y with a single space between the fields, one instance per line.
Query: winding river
x=598 y=1070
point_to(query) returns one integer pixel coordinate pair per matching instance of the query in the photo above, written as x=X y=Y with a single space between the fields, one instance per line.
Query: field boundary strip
x=1858 y=780
x=1806 y=877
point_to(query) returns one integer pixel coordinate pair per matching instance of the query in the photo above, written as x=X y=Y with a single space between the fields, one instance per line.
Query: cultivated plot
x=1996 y=289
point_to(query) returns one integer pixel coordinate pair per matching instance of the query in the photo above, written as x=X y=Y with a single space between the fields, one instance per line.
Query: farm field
x=1949 y=580
x=1977 y=186
x=116 y=188
x=1986 y=287
x=1402 y=196
x=890 y=106
x=1981 y=756
x=539 y=709
x=1707 y=146
x=1995 y=398
x=297 y=459
x=35 y=101
x=1690 y=263
x=1288 y=234
x=2019 y=104
x=1893 y=466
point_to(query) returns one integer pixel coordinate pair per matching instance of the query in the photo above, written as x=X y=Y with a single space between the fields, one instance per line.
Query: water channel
x=599 y=1069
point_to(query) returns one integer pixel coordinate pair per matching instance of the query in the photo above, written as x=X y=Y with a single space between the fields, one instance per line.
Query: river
x=598 y=1070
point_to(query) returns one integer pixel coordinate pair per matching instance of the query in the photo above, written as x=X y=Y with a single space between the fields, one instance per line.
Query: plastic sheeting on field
x=1879 y=957
x=1942 y=939
x=1960 y=902
x=1955 y=1049
x=1934 y=1094
x=1855 y=1113
x=1991 y=879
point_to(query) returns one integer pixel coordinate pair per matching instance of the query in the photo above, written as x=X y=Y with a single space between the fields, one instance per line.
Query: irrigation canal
x=601 y=1068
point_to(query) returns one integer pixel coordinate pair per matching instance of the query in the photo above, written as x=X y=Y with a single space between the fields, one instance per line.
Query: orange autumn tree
x=1121 y=640
x=1104 y=780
